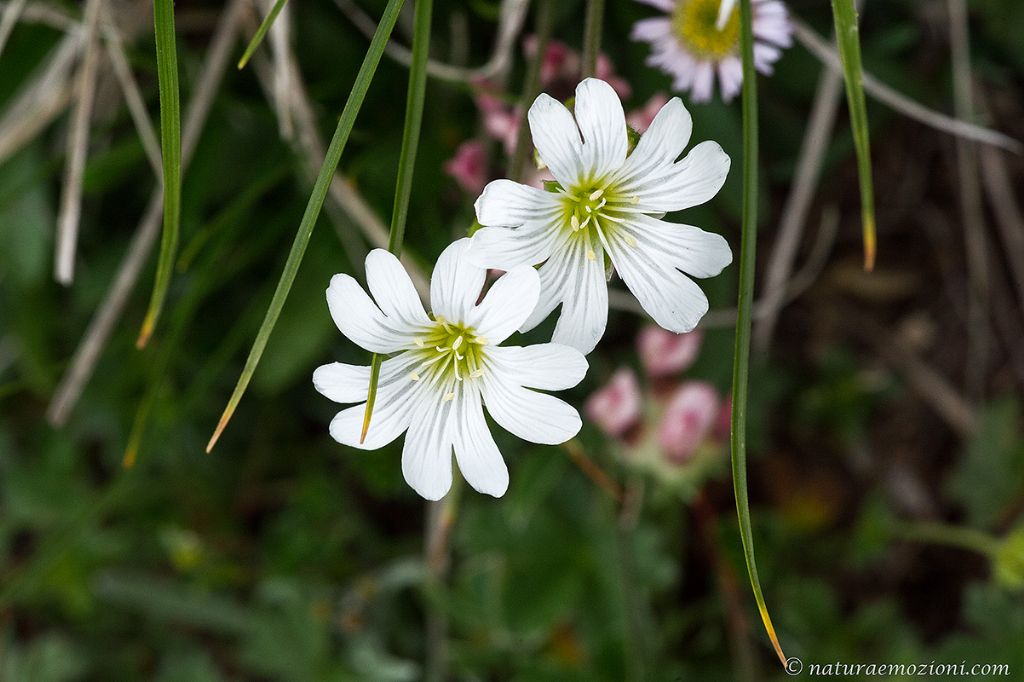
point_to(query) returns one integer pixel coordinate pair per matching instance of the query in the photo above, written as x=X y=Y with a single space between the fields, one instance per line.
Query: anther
x=419 y=342
x=476 y=373
x=574 y=222
x=447 y=397
x=634 y=200
x=457 y=342
x=414 y=376
x=596 y=194
x=629 y=239
x=590 y=255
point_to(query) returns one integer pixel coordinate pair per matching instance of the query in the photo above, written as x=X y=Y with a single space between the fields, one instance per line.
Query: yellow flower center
x=448 y=351
x=694 y=22
x=593 y=207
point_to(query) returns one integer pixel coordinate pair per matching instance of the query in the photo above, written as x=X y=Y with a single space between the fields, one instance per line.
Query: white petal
x=507 y=203
x=555 y=276
x=427 y=455
x=507 y=304
x=392 y=289
x=603 y=124
x=688 y=248
x=362 y=321
x=690 y=182
x=535 y=417
x=456 y=283
x=662 y=144
x=478 y=456
x=397 y=396
x=557 y=139
x=584 y=315
x=505 y=248
x=547 y=366
x=671 y=298
x=342 y=383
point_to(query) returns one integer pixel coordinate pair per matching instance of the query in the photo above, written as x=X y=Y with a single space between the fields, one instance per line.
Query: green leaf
x=316 y=202
x=744 y=309
x=848 y=37
x=406 y=163
x=170 y=148
x=261 y=32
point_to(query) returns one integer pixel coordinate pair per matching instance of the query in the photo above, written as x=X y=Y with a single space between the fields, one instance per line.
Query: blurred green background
x=887 y=446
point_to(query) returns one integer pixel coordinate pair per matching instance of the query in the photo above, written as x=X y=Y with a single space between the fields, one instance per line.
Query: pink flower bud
x=616 y=406
x=688 y=419
x=469 y=166
x=664 y=353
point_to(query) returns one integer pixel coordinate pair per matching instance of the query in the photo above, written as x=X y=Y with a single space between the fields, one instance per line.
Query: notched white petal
x=508 y=303
x=342 y=383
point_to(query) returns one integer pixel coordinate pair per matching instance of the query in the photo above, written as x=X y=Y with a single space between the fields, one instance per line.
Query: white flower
x=701 y=37
x=444 y=367
x=608 y=204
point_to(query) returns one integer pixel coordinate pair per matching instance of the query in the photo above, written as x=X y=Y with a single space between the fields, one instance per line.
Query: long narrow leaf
x=744 y=308
x=316 y=202
x=261 y=32
x=848 y=37
x=170 y=151
x=406 y=164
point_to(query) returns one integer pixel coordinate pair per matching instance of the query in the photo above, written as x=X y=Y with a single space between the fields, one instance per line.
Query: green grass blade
x=741 y=361
x=848 y=37
x=170 y=151
x=261 y=32
x=406 y=164
x=316 y=202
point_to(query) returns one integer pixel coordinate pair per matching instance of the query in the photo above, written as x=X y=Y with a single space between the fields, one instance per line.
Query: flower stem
x=170 y=152
x=952 y=536
x=592 y=36
x=261 y=32
x=316 y=202
x=406 y=164
x=531 y=88
x=848 y=37
x=741 y=361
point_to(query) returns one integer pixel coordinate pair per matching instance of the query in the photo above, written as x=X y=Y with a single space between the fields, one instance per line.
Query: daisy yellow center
x=448 y=352
x=594 y=208
x=694 y=22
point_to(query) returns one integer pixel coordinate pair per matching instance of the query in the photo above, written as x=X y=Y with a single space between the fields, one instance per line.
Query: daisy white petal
x=508 y=200
x=671 y=298
x=478 y=456
x=456 y=283
x=361 y=320
x=602 y=121
x=585 y=306
x=556 y=137
x=507 y=304
x=536 y=417
x=392 y=289
x=342 y=383
x=427 y=455
x=546 y=366
x=507 y=248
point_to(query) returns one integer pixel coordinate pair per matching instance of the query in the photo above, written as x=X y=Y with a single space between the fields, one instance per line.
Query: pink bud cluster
x=676 y=418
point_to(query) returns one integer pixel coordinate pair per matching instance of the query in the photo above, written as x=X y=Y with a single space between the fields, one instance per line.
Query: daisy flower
x=444 y=367
x=700 y=38
x=607 y=204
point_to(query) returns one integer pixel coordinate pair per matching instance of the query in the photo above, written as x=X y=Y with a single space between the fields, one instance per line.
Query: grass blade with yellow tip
x=316 y=202
x=170 y=152
x=744 y=310
x=848 y=38
x=406 y=165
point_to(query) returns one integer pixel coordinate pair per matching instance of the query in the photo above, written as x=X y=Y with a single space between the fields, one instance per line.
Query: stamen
x=574 y=222
x=480 y=340
x=634 y=199
x=457 y=342
x=587 y=209
x=476 y=373
x=447 y=397
x=590 y=255
x=419 y=342
x=585 y=222
x=595 y=195
x=601 y=205
x=440 y=350
x=414 y=376
x=629 y=239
